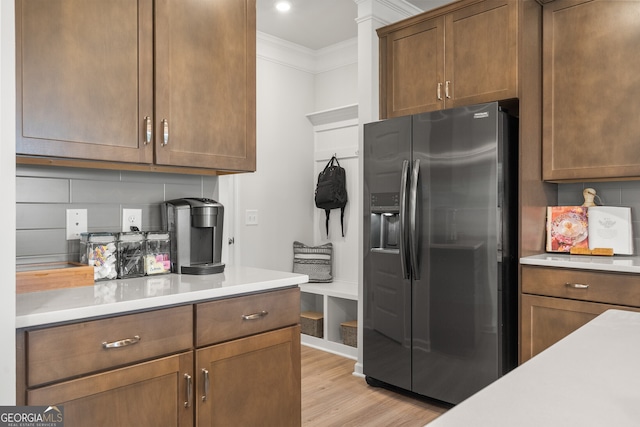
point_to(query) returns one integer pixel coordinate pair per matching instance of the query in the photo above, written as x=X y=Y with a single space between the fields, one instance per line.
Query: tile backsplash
x=621 y=193
x=44 y=193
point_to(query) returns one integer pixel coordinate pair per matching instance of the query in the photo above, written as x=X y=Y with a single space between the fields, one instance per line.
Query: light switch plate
x=76 y=223
x=131 y=218
x=251 y=217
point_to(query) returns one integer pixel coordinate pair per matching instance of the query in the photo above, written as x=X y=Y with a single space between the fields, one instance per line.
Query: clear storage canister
x=99 y=250
x=157 y=258
x=131 y=254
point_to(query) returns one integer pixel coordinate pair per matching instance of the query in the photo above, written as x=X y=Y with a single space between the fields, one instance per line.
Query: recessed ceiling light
x=283 y=6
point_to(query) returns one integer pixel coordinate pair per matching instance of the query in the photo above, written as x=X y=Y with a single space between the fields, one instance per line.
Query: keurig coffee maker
x=195 y=227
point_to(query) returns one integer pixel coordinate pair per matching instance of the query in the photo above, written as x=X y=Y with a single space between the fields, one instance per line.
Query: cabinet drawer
x=226 y=319
x=611 y=288
x=65 y=351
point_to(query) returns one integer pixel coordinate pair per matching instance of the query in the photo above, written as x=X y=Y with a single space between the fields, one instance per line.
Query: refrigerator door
x=455 y=299
x=387 y=288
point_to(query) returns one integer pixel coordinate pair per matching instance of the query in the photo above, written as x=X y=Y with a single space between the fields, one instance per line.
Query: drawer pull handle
x=255 y=316
x=148 y=130
x=187 y=404
x=205 y=377
x=165 y=131
x=122 y=343
x=576 y=285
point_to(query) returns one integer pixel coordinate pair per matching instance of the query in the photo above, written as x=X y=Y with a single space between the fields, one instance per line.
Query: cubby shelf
x=338 y=301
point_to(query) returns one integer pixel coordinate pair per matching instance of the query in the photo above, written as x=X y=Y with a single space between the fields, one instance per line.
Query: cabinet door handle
x=148 y=130
x=576 y=285
x=205 y=377
x=439 y=91
x=255 y=316
x=122 y=343
x=189 y=382
x=165 y=131
x=446 y=89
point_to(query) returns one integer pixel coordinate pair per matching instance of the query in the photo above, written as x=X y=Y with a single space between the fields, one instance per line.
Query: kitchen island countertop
x=121 y=296
x=585 y=379
x=617 y=263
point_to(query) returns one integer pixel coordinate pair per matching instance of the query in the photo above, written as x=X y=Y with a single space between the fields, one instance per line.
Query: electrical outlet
x=251 y=217
x=131 y=218
x=76 y=223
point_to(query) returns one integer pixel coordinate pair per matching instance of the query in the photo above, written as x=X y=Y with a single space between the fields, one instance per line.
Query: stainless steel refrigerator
x=440 y=277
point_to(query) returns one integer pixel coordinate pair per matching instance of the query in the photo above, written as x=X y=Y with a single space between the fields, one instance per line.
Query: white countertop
x=141 y=293
x=589 y=378
x=617 y=263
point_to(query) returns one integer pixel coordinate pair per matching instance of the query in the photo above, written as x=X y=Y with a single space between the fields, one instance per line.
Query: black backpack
x=331 y=191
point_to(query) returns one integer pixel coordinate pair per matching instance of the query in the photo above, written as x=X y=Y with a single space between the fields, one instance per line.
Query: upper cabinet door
x=591 y=90
x=412 y=67
x=481 y=53
x=462 y=54
x=84 y=78
x=205 y=62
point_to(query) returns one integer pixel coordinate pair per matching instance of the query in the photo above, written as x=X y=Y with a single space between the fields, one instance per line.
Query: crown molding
x=385 y=11
x=283 y=52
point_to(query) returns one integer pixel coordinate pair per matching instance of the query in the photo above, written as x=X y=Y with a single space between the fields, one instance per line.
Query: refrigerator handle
x=499 y=234
x=413 y=219
x=403 y=218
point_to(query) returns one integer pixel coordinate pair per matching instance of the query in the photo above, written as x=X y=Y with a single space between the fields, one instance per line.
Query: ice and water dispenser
x=385 y=221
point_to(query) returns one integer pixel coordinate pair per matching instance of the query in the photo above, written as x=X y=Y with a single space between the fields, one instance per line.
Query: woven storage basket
x=350 y=333
x=311 y=323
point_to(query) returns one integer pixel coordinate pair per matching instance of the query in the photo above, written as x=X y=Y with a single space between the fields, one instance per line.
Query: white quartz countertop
x=589 y=378
x=617 y=263
x=126 y=295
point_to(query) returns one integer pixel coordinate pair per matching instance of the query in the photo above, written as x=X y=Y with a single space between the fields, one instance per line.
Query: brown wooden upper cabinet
x=460 y=54
x=591 y=90
x=164 y=82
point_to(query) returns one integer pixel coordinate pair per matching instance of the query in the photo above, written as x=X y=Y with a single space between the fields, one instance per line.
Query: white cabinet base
x=338 y=301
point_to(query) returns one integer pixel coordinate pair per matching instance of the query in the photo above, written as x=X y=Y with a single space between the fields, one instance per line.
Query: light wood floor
x=332 y=396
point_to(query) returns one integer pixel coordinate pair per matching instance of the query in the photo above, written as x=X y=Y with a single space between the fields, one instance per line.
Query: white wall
x=280 y=188
x=336 y=132
x=7 y=177
x=337 y=87
x=345 y=248
x=292 y=82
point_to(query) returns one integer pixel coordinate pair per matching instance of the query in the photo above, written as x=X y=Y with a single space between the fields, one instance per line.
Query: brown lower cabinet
x=149 y=394
x=252 y=381
x=557 y=301
x=153 y=368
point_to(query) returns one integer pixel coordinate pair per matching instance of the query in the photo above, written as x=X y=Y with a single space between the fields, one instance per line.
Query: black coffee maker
x=195 y=227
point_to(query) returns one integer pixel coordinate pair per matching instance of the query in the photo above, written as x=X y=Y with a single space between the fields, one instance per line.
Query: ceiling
x=316 y=24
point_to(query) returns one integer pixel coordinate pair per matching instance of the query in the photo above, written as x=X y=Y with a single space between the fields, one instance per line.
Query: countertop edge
x=617 y=263
x=35 y=315
x=582 y=379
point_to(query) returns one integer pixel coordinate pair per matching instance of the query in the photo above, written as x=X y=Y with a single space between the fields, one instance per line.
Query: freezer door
x=387 y=292
x=455 y=299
